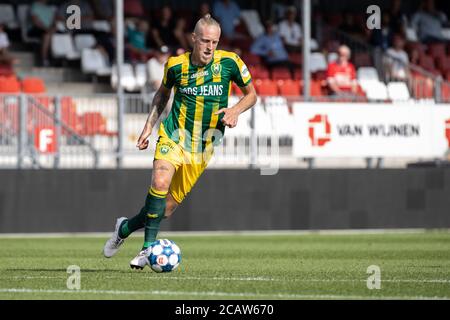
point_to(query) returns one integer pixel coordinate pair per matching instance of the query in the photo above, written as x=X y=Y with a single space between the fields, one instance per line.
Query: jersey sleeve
x=240 y=73
x=169 y=76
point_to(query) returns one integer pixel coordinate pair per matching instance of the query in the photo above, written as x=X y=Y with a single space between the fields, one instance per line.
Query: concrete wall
x=90 y=200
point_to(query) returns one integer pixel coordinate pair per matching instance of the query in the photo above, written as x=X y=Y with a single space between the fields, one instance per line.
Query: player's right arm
x=159 y=104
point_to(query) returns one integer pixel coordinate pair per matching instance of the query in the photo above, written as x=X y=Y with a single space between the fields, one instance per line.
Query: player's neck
x=195 y=61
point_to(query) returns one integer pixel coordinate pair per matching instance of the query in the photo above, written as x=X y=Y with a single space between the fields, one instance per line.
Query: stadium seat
x=367 y=73
x=127 y=77
x=253 y=22
x=101 y=25
x=140 y=74
x=298 y=74
x=281 y=73
x=398 y=91
x=422 y=87
x=8 y=16
x=62 y=46
x=33 y=85
x=84 y=41
x=375 y=90
x=317 y=62
x=94 y=62
x=289 y=88
x=411 y=34
x=259 y=72
x=426 y=62
x=266 y=87
x=332 y=57
x=9 y=85
x=437 y=50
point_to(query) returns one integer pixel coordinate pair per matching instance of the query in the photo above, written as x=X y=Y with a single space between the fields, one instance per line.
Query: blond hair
x=206 y=20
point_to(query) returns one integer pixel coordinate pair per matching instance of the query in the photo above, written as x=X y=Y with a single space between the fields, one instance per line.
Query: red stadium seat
x=9 y=84
x=422 y=87
x=281 y=73
x=266 y=87
x=437 y=50
x=33 y=85
x=289 y=88
x=69 y=115
x=298 y=74
x=426 y=62
x=259 y=72
x=443 y=63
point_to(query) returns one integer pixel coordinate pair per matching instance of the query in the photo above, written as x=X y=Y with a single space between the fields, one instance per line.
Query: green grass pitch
x=234 y=266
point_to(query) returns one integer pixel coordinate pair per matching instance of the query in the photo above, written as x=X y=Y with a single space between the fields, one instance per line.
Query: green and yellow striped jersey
x=198 y=93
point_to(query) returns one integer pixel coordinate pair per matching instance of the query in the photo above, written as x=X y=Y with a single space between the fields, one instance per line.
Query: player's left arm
x=230 y=117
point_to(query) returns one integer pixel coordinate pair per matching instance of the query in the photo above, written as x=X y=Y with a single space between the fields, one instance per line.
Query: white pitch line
x=165 y=234
x=444 y=281
x=219 y=294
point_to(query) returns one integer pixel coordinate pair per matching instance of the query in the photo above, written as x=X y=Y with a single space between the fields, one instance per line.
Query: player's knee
x=161 y=183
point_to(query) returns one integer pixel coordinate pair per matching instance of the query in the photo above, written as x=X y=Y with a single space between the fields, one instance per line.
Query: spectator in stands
x=87 y=15
x=396 y=62
x=398 y=19
x=137 y=45
x=428 y=23
x=382 y=38
x=43 y=26
x=341 y=74
x=290 y=31
x=103 y=9
x=228 y=13
x=271 y=48
x=155 y=68
x=5 y=57
x=168 y=32
x=350 y=26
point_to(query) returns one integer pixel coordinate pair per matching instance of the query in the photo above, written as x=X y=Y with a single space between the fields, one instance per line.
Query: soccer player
x=199 y=115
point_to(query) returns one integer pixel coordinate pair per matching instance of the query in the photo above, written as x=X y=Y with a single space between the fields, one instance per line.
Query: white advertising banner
x=371 y=130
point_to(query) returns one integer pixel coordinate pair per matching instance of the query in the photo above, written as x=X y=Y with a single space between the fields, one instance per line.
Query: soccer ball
x=164 y=255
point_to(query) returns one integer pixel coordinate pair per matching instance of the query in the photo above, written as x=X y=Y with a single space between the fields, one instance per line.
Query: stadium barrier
x=41 y=131
x=91 y=200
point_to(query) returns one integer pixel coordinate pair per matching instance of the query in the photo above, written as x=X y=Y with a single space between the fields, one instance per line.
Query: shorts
x=189 y=166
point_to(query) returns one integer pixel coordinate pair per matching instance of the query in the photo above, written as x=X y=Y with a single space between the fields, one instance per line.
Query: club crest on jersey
x=216 y=69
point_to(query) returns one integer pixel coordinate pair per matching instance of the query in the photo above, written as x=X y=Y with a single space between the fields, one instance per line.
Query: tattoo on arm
x=159 y=104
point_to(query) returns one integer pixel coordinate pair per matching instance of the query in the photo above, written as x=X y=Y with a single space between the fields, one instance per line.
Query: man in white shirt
x=290 y=31
x=397 y=60
x=5 y=56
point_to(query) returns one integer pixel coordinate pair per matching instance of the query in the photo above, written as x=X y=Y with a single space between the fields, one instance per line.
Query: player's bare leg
x=171 y=206
x=154 y=209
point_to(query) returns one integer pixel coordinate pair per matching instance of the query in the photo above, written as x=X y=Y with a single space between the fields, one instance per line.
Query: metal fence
x=82 y=132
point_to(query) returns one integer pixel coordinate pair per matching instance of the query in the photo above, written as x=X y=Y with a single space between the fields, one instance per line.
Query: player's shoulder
x=226 y=56
x=177 y=60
